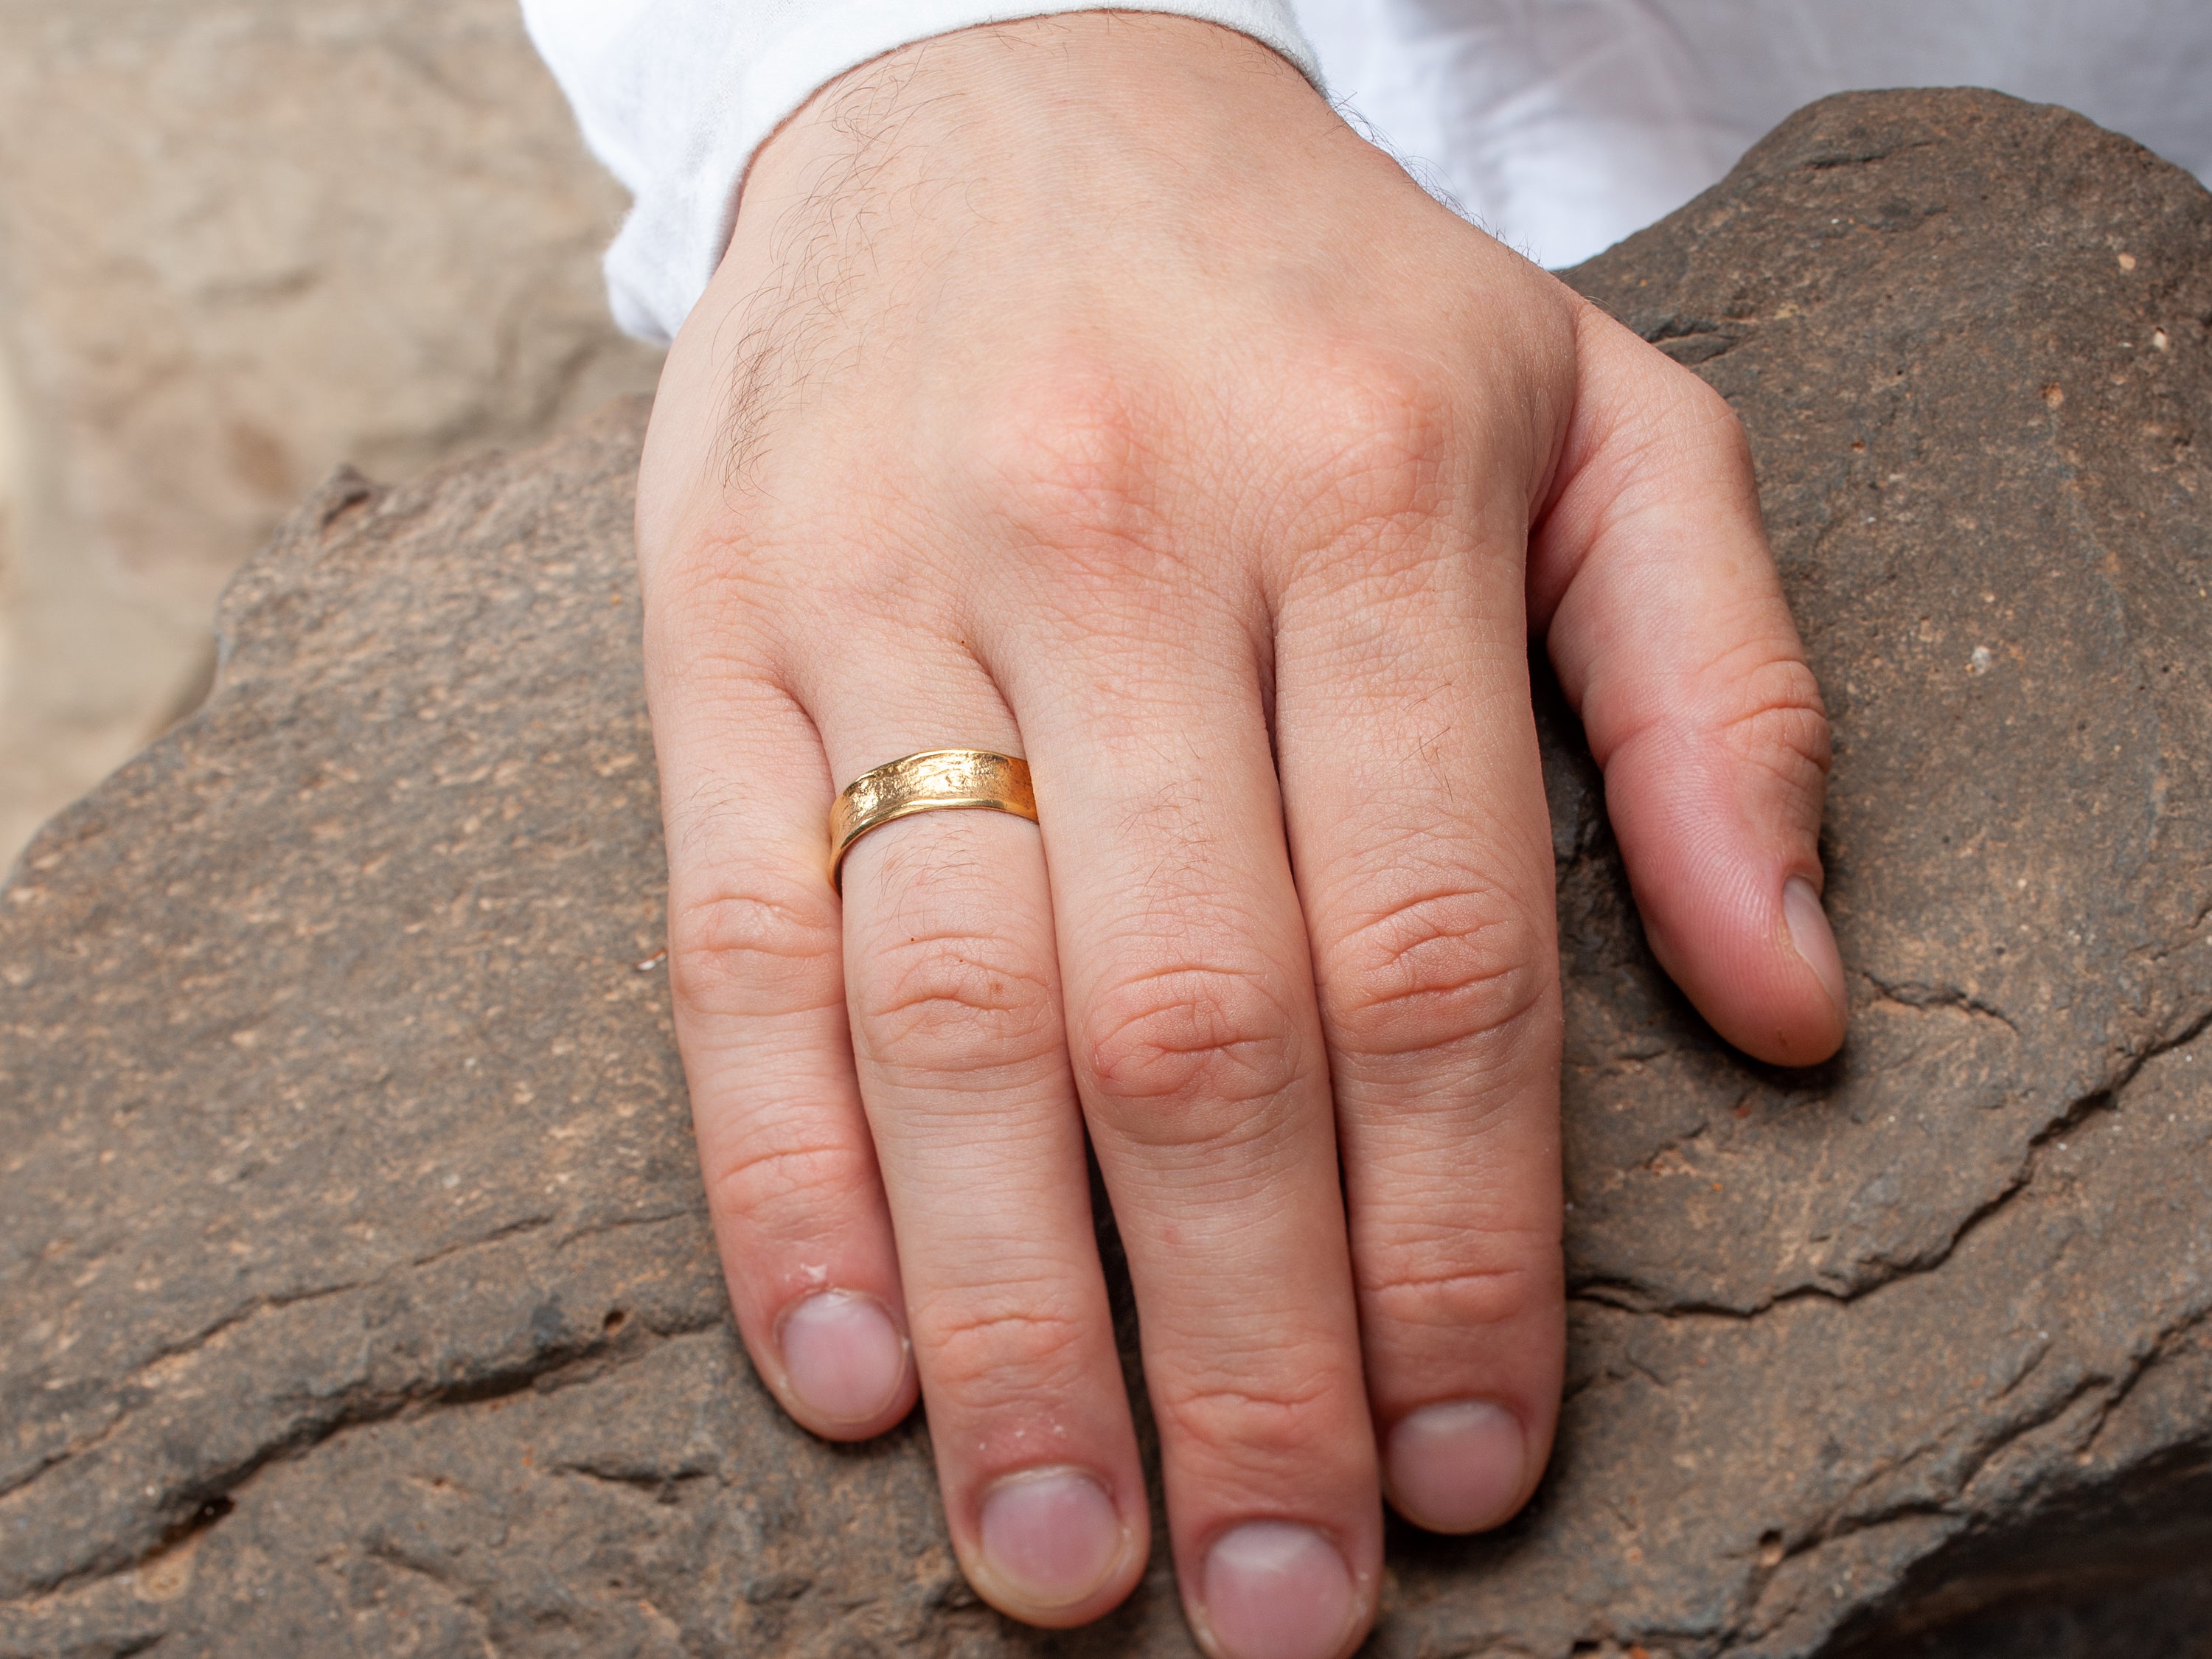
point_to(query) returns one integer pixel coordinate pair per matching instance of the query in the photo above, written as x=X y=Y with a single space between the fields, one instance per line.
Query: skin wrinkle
x=1174 y=1074
x=708 y=958
x=975 y=1345
x=1495 y=1241
x=1470 y=1169
x=1621 y=708
x=1455 y=1300
x=1016 y=1138
x=1382 y=487
x=1409 y=1001
x=1625 y=489
x=1802 y=774
x=1192 y=1176
x=1391 y=865
x=1244 y=1427
x=1410 y=1238
x=1090 y=602
x=1471 y=1102
x=956 y=972
x=773 y=1175
x=1617 y=525
x=795 y=1082
x=972 y=1095
x=889 y=568
x=939 y=692
x=1370 y=623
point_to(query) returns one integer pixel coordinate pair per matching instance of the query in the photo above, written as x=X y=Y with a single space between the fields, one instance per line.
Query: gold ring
x=936 y=779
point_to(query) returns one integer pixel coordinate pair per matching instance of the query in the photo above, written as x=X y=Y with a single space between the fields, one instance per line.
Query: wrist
x=1057 y=98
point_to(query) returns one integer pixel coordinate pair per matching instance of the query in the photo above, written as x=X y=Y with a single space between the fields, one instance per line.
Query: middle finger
x=1197 y=1045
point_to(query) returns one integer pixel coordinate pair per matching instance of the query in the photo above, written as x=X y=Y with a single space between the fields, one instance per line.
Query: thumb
x=1665 y=621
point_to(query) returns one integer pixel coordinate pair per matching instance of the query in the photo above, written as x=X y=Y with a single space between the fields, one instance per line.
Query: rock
x=2173 y=1619
x=360 y=1297
x=239 y=241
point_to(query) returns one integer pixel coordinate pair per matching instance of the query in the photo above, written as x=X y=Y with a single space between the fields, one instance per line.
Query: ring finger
x=953 y=989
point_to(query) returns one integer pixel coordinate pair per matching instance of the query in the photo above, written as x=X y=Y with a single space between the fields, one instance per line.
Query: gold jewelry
x=934 y=780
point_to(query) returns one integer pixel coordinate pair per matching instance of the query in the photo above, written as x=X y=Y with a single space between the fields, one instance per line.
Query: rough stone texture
x=359 y=1294
x=241 y=240
x=2171 y=1619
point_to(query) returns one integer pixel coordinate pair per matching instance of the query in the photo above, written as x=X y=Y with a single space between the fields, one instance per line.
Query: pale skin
x=1085 y=390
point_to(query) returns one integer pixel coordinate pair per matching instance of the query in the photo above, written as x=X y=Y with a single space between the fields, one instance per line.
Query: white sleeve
x=675 y=95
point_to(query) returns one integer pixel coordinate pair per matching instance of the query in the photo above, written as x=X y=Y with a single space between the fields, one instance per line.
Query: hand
x=1086 y=390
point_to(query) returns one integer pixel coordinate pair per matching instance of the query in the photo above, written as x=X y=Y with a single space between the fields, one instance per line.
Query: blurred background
x=241 y=241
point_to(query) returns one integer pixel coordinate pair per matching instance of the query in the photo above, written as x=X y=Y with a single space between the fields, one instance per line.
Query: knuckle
x=1174 y=1054
x=1467 y=1280
x=1450 y=968
x=1704 y=419
x=1666 y=417
x=1268 y=1419
x=1692 y=398
x=955 y=1001
x=791 y=1192
x=1068 y=458
x=990 y=1353
x=1382 y=410
x=1774 y=719
x=1376 y=433
x=718 y=597
x=766 y=949
x=711 y=570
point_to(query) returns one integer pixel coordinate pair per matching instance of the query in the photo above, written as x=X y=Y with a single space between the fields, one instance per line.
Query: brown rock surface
x=359 y=1297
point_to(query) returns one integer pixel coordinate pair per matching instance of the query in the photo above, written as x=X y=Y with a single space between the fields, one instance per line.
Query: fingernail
x=1810 y=932
x=845 y=1359
x=1274 y=1590
x=1051 y=1535
x=1457 y=1466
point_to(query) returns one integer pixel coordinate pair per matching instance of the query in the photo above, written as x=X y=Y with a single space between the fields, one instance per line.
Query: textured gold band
x=936 y=780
